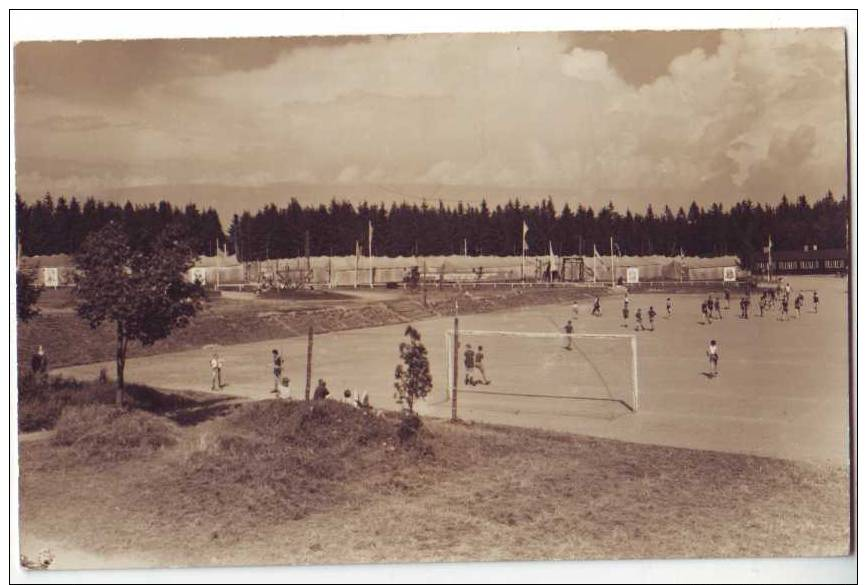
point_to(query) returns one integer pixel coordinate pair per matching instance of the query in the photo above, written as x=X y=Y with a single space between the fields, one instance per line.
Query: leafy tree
x=27 y=293
x=412 y=377
x=143 y=292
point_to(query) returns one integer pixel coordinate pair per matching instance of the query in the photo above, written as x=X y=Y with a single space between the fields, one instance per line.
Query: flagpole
x=594 y=262
x=355 y=283
x=770 y=244
x=612 y=259
x=370 y=250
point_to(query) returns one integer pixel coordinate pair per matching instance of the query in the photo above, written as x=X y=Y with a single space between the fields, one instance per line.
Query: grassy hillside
x=69 y=341
x=281 y=482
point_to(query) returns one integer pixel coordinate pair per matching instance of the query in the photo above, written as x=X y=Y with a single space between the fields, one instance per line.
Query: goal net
x=545 y=365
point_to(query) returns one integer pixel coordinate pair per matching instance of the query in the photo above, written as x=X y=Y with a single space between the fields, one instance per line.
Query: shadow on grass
x=42 y=401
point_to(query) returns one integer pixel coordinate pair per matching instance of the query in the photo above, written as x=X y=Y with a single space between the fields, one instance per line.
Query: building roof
x=48 y=261
x=783 y=255
x=216 y=261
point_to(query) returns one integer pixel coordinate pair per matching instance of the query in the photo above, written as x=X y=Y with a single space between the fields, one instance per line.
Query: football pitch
x=782 y=389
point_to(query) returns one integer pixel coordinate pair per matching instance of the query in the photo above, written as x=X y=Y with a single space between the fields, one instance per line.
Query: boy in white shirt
x=713 y=357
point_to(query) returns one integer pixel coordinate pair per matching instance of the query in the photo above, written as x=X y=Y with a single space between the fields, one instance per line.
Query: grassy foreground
x=277 y=482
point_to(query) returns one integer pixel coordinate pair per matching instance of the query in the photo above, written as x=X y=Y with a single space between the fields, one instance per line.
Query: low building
x=213 y=271
x=50 y=271
x=808 y=261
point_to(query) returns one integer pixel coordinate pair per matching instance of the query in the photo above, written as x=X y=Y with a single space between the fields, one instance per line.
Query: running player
x=704 y=315
x=639 y=320
x=668 y=306
x=575 y=309
x=713 y=357
x=567 y=339
x=597 y=310
x=799 y=300
x=626 y=314
x=469 y=365
x=651 y=315
x=815 y=301
x=784 y=309
x=716 y=308
x=727 y=296
x=480 y=366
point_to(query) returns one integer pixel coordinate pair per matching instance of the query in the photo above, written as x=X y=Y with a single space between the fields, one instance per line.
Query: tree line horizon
x=340 y=228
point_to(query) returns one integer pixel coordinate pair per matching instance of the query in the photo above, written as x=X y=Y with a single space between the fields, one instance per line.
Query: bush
x=101 y=433
x=410 y=423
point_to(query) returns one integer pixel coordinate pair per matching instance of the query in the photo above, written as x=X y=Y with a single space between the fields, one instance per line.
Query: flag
x=525 y=246
x=551 y=256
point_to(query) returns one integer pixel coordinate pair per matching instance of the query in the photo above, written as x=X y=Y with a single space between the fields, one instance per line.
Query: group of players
x=710 y=309
x=768 y=300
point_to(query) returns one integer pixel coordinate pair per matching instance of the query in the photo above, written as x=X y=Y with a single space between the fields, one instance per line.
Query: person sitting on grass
x=321 y=392
x=285 y=389
x=363 y=402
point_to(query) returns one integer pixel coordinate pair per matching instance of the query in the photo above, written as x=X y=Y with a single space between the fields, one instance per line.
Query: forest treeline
x=50 y=227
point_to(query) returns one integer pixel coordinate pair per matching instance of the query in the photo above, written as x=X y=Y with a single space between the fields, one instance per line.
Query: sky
x=635 y=118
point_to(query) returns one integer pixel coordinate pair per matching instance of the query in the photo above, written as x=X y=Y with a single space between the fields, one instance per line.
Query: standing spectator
x=277 y=362
x=215 y=372
x=480 y=366
x=321 y=392
x=39 y=362
x=567 y=339
x=469 y=365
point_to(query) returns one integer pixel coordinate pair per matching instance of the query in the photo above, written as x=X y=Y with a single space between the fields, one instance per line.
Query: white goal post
x=546 y=365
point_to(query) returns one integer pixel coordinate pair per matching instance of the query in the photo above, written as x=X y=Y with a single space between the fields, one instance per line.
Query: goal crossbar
x=630 y=339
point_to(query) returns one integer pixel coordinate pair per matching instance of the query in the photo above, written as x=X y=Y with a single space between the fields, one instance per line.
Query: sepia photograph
x=558 y=295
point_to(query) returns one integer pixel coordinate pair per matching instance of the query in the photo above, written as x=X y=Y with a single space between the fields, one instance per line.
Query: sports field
x=783 y=387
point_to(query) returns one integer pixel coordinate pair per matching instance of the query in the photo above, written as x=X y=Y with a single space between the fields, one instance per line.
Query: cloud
x=725 y=115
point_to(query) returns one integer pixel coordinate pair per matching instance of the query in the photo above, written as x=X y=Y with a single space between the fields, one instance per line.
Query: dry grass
x=278 y=482
x=99 y=434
